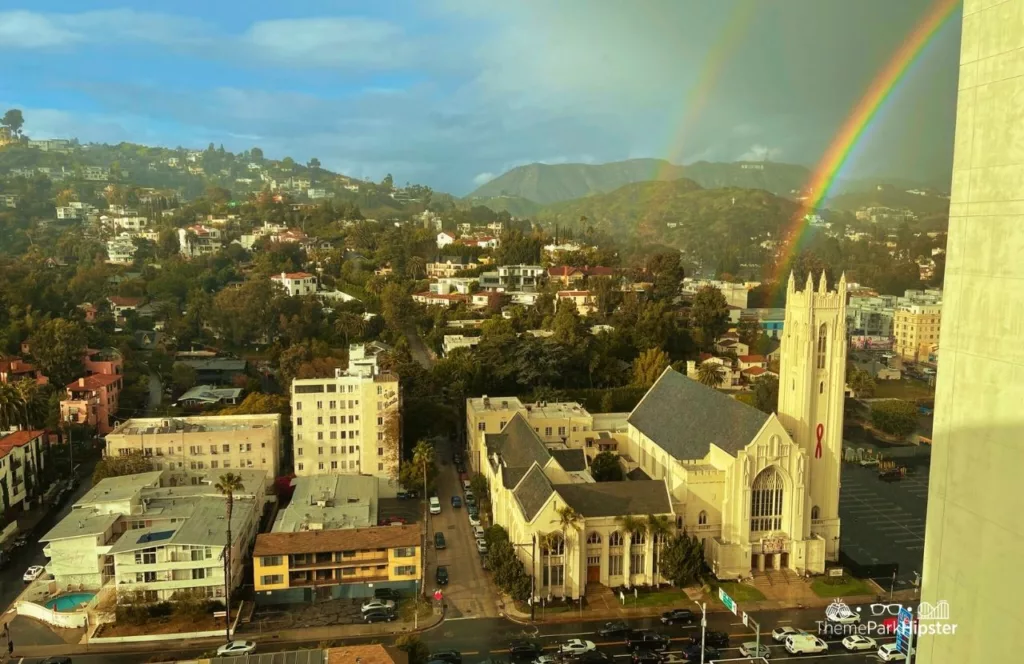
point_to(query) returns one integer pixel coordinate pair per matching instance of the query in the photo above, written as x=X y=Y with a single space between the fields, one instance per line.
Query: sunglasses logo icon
x=886 y=609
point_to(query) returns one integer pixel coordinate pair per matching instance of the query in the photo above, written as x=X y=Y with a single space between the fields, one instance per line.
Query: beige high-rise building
x=975 y=527
x=915 y=331
x=348 y=423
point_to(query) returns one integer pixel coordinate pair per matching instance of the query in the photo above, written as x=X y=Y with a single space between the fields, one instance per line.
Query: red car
x=392 y=521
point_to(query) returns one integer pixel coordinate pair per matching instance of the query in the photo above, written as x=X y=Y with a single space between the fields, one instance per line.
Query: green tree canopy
x=895 y=417
x=649 y=366
x=58 y=346
x=13 y=120
x=606 y=468
x=766 y=394
x=682 y=560
x=709 y=314
x=116 y=466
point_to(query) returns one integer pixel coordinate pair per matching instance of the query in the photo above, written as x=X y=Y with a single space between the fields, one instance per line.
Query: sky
x=451 y=93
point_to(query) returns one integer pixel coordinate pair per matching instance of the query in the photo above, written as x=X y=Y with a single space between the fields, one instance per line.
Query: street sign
x=729 y=604
x=746 y=619
x=904 y=629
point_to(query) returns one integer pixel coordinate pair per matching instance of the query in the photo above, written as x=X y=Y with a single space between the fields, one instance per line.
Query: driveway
x=470 y=593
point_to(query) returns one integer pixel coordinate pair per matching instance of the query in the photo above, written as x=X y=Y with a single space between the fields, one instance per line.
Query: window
x=298 y=421
x=561 y=431
x=547 y=431
x=380 y=466
x=407 y=552
x=298 y=404
x=615 y=539
x=272 y=579
x=554 y=547
x=481 y=426
x=319 y=451
x=702 y=518
x=199 y=573
x=615 y=565
x=334 y=404
x=298 y=451
x=213 y=464
x=822 y=345
x=225 y=448
x=638 y=539
x=320 y=436
x=594 y=537
x=334 y=435
x=319 y=421
x=145 y=557
x=405 y=570
x=815 y=513
x=320 y=465
x=637 y=563
x=380 y=451
x=766 y=501
x=319 y=405
x=300 y=467
x=213 y=449
x=554 y=575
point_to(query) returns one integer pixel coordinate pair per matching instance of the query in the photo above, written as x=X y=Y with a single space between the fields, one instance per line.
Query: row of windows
x=332 y=419
x=352 y=449
x=482 y=426
x=350 y=434
x=333 y=405
x=244 y=463
x=337 y=465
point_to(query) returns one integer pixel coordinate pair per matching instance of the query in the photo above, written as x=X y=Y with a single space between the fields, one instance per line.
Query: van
x=435 y=505
x=805 y=644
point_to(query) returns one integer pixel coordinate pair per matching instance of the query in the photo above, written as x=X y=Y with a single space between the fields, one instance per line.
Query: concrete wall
x=975 y=531
x=70 y=620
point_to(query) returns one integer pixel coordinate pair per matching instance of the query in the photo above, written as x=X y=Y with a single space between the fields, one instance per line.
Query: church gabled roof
x=685 y=418
x=518 y=445
x=616 y=498
x=533 y=492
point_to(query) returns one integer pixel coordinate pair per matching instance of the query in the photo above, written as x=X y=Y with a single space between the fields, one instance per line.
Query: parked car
x=378 y=616
x=439 y=540
x=470 y=500
x=576 y=647
x=474 y=518
x=236 y=648
x=450 y=656
x=780 y=634
x=465 y=486
x=647 y=657
x=481 y=546
x=890 y=652
x=755 y=649
x=594 y=657
x=33 y=573
x=456 y=502
x=523 y=650
x=677 y=616
x=386 y=593
x=378 y=605
x=615 y=628
x=57 y=659
x=407 y=495
x=478 y=532
x=858 y=642
x=442 y=576
x=712 y=638
x=435 y=505
x=692 y=653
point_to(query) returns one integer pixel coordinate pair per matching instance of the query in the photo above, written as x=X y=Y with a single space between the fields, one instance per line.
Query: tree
x=117 y=466
x=13 y=120
x=659 y=527
x=411 y=474
x=631 y=525
x=58 y=346
x=649 y=366
x=895 y=417
x=12 y=411
x=566 y=325
x=256 y=154
x=861 y=382
x=710 y=374
x=183 y=376
x=709 y=314
x=605 y=468
x=682 y=560
x=766 y=394
x=478 y=485
x=414 y=648
x=388 y=183
x=228 y=485
x=666 y=272
x=258 y=403
x=314 y=164
x=748 y=330
x=568 y=520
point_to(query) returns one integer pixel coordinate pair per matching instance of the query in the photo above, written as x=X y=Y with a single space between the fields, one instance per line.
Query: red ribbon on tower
x=821 y=434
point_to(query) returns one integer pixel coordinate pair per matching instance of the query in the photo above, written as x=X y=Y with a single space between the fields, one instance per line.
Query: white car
x=378 y=605
x=545 y=659
x=890 y=653
x=481 y=546
x=856 y=643
x=845 y=618
x=755 y=649
x=469 y=492
x=576 y=647
x=478 y=532
x=435 y=505
x=236 y=648
x=779 y=634
x=473 y=520
x=33 y=573
x=465 y=486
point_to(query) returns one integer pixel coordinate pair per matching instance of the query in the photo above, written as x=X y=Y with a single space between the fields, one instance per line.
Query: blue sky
x=451 y=92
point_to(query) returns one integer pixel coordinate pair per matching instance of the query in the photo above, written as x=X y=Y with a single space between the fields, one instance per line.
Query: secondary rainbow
x=824 y=175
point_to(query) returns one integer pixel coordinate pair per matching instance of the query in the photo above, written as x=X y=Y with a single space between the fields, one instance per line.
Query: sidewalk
x=307 y=635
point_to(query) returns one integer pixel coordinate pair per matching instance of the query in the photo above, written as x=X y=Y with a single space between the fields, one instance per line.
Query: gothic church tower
x=812 y=381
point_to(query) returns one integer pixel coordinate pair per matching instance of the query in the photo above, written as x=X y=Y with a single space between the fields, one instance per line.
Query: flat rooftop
x=331 y=502
x=154 y=425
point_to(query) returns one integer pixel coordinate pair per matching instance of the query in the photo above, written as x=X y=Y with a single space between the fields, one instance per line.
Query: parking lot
x=469 y=593
x=883 y=522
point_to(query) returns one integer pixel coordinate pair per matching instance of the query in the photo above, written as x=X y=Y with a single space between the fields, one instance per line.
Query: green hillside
x=514 y=205
x=883 y=195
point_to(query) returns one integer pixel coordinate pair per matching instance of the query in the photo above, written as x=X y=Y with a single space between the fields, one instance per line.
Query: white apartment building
x=444 y=239
x=21 y=459
x=69 y=212
x=346 y=423
x=513 y=277
x=736 y=295
x=199 y=240
x=296 y=283
x=216 y=442
x=134 y=223
x=453 y=341
x=446 y=285
x=159 y=533
x=121 y=250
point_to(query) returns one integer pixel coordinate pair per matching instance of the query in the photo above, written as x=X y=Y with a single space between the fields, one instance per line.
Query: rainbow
x=823 y=177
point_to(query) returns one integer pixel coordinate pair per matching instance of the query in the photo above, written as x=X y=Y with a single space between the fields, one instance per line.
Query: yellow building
x=915 y=330
x=314 y=565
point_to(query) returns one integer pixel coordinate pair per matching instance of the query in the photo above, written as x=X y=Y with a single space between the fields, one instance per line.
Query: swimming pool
x=70 y=601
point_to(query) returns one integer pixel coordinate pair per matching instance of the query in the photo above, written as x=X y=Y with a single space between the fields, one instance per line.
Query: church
x=760 y=490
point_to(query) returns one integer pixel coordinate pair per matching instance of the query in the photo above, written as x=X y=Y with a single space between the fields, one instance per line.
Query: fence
x=70 y=620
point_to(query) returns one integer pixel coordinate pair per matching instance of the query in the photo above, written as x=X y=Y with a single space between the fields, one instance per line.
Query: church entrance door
x=594 y=573
x=784 y=560
x=769 y=561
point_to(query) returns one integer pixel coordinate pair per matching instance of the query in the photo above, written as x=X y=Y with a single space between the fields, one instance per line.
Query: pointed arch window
x=822 y=345
x=766 y=501
x=815 y=513
x=594 y=537
x=615 y=539
x=702 y=518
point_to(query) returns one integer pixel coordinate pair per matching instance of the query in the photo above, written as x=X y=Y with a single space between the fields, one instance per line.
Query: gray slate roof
x=571 y=461
x=518 y=444
x=684 y=418
x=510 y=476
x=533 y=492
x=616 y=498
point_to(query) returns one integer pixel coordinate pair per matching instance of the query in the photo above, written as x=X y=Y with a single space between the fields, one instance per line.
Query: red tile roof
x=119 y=301
x=292 y=275
x=17 y=439
x=598 y=271
x=755 y=371
x=573 y=293
x=94 y=382
x=562 y=271
x=750 y=359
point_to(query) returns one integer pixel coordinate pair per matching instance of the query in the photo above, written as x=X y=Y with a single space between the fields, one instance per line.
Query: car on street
x=386 y=593
x=780 y=634
x=441 y=576
x=858 y=642
x=439 y=540
x=677 y=616
x=407 y=495
x=615 y=628
x=450 y=656
x=522 y=649
x=755 y=649
x=805 y=644
x=846 y=617
x=692 y=653
x=594 y=657
x=435 y=505
x=456 y=502
x=474 y=518
x=647 y=657
x=33 y=573
x=473 y=511
x=470 y=500
x=378 y=605
x=465 y=486
x=712 y=638
x=576 y=647
x=890 y=652
x=57 y=659
x=236 y=648
x=481 y=546
x=643 y=639
x=478 y=532
x=378 y=615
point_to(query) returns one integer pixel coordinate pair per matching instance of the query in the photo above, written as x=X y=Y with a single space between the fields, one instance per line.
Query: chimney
x=81 y=382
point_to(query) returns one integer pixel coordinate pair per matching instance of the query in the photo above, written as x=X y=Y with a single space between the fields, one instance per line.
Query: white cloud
x=328 y=42
x=483 y=178
x=29 y=30
x=759 y=152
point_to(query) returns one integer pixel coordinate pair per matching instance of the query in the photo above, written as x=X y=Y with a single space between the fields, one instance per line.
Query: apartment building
x=514 y=277
x=736 y=295
x=455 y=341
x=159 y=534
x=348 y=423
x=915 y=330
x=448 y=266
x=215 y=442
x=329 y=502
x=581 y=299
x=92 y=400
x=199 y=240
x=121 y=250
x=316 y=565
x=296 y=283
x=21 y=460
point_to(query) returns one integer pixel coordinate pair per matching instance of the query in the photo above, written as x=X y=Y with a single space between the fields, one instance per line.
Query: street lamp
x=703 y=626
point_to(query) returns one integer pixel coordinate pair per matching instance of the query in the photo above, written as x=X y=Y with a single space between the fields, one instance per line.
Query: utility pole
x=703 y=626
x=533 y=579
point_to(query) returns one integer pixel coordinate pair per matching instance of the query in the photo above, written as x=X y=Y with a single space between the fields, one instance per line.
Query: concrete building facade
x=974 y=527
x=915 y=331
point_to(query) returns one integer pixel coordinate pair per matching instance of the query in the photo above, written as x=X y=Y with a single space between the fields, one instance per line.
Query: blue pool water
x=69 y=602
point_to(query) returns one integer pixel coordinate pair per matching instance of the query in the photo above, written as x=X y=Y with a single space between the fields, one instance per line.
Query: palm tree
x=568 y=519
x=11 y=410
x=710 y=374
x=659 y=527
x=228 y=485
x=630 y=525
x=547 y=542
x=34 y=401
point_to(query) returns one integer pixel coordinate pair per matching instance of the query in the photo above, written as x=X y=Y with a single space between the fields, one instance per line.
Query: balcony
x=344 y=562
x=294 y=583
